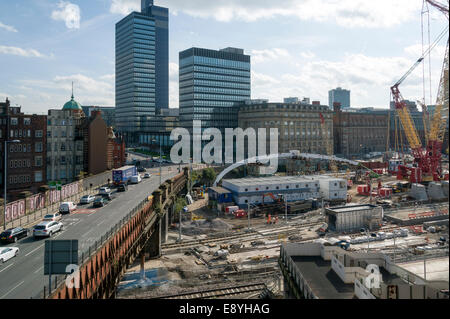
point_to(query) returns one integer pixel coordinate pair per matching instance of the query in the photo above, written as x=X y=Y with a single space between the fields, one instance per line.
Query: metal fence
x=90 y=251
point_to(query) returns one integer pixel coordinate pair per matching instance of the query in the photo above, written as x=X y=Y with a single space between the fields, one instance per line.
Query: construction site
x=233 y=238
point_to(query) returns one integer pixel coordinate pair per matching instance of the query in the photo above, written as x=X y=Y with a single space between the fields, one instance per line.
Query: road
x=23 y=277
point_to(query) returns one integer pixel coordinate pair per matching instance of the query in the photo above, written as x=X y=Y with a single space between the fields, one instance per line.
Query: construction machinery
x=427 y=160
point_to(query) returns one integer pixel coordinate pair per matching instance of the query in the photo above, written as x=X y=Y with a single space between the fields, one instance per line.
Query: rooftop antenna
x=72 y=90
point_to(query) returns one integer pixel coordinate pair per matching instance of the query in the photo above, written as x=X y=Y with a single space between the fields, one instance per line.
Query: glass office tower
x=339 y=95
x=142 y=66
x=212 y=83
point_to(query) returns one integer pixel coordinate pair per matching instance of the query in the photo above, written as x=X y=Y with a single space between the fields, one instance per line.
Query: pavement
x=23 y=277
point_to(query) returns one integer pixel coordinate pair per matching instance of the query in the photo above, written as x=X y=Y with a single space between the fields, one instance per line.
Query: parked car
x=99 y=202
x=86 y=199
x=122 y=188
x=147 y=175
x=104 y=190
x=67 y=207
x=52 y=217
x=8 y=253
x=47 y=229
x=13 y=234
x=135 y=179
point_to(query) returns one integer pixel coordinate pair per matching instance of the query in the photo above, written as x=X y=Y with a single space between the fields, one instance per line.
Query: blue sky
x=299 y=47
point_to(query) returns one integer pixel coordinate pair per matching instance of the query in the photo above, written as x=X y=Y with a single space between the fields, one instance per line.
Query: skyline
x=53 y=43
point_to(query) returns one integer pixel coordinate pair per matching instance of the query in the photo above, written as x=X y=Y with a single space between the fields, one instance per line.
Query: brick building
x=359 y=131
x=116 y=150
x=26 y=158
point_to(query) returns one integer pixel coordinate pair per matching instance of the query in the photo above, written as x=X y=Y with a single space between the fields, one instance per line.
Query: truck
x=123 y=174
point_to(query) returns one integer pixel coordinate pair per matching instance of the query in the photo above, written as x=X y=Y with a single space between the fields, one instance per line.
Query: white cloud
x=124 y=7
x=261 y=56
x=346 y=13
x=173 y=85
x=29 y=53
x=8 y=27
x=307 y=55
x=69 y=12
x=369 y=78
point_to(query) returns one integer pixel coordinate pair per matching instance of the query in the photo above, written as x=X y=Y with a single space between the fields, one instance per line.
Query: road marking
x=6 y=267
x=11 y=290
x=38 y=269
x=101 y=222
x=34 y=250
x=88 y=232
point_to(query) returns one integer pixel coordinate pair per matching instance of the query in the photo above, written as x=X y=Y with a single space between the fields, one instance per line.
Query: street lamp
x=4 y=181
x=160 y=173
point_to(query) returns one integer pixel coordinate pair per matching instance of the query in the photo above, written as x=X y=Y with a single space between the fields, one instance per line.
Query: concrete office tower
x=339 y=95
x=212 y=83
x=142 y=68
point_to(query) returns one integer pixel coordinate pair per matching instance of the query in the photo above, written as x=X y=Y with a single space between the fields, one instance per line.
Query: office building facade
x=212 y=84
x=142 y=68
x=339 y=95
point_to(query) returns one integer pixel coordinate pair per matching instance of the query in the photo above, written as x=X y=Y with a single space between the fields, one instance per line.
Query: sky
x=299 y=48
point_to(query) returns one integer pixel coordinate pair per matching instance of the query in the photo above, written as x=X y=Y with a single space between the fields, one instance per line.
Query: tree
x=208 y=176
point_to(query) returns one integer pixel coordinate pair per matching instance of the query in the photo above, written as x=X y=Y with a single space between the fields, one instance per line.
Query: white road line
x=11 y=290
x=38 y=269
x=101 y=222
x=34 y=250
x=6 y=267
x=88 y=232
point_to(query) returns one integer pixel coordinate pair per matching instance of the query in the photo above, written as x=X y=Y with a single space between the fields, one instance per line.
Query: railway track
x=253 y=233
x=219 y=292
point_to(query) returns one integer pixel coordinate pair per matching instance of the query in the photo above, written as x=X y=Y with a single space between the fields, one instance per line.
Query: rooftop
x=351 y=208
x=273 y=179
x=322 y=280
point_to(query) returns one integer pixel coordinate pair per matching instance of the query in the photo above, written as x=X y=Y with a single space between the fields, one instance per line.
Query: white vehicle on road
x=135 y=179
x=52 y=217
x=47 y=229
x=67 y=207
x=8 y=253
x=86 y=199
x=104 y=190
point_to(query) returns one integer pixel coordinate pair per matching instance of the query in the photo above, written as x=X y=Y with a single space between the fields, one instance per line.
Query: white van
x=67 y=207
x=135 y=179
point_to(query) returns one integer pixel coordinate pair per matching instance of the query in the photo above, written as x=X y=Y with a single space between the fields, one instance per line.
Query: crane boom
x=439 y=6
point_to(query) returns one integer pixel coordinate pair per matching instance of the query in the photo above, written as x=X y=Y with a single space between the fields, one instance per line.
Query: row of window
x=205 y=69
x=63 y=160
x=207 y=103
x=215 y=62
x=17 y=148
x=25 y=163
x=202 y=89
x=25 y=133
x=21 y=179
x=15 y=121
x=62 y=147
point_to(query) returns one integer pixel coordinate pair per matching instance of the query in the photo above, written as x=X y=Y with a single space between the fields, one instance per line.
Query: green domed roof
x=72 y=105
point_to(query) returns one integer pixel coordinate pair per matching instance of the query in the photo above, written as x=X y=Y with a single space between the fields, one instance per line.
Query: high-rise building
x=141 y=67
x=339 y=95
x=212 y=83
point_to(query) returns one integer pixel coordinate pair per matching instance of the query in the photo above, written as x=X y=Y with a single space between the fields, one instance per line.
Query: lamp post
x=160 y=159
x=5 y=179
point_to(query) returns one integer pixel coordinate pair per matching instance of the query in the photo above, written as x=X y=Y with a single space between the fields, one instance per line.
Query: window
x=38 y=161
x=38 y=133
x=63 y=147
x=38 y=147
x=14 y=121
x=26 y=121
x=38 y=176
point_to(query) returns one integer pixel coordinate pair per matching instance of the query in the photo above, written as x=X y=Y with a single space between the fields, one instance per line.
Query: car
x=122 y=188
x=141 y=170
x=135 y=179
x=47 y=229
x=8 y=253
x=99 y=202
x=86 y=199
x=52 y=217
x=67 y=207
x=104 y=190
x=13 y=234
x=147 y=175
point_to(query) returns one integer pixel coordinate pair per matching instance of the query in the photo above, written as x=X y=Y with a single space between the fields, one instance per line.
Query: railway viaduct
x=138 y=235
